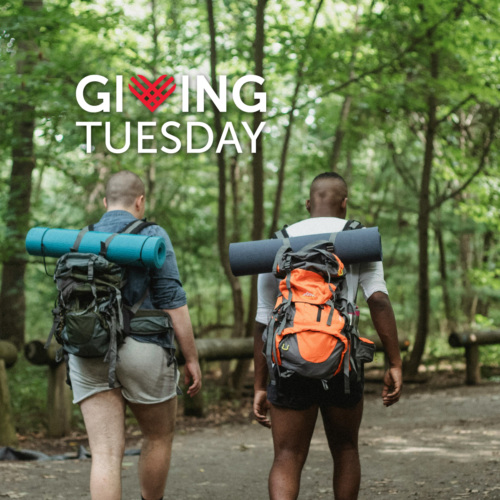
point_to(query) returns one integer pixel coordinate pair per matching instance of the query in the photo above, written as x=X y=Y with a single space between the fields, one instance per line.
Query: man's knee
x=157 y=421
x=107 y=450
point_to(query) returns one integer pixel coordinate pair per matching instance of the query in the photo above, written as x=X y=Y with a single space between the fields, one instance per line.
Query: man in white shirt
x=294 y=402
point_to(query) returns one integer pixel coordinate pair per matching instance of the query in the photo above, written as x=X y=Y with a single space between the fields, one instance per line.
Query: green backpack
x=90 y=318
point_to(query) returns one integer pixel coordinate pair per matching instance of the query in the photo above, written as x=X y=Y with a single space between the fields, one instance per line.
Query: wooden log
x=464 y=339
x=471 y=341
x=59 y=394
x=8 y=435
x=8 y=352
x=36 y=353
x=221 y=349
x=404 y=344
x=59 y=400
x=472 y=365
x=242 y=348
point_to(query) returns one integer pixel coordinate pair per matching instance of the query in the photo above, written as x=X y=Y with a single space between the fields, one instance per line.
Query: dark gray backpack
x=90 y=317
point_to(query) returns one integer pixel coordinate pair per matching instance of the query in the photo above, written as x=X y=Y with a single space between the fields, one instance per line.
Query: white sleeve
x=267 y=292
x=371 y=278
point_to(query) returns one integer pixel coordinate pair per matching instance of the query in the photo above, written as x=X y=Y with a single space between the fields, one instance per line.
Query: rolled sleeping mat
x=256 y=257
x=124 y=249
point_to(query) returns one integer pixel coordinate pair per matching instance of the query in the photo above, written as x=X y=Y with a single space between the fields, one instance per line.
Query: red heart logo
x=149 y=93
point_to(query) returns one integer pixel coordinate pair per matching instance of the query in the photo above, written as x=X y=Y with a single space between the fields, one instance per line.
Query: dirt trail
x=437 y=443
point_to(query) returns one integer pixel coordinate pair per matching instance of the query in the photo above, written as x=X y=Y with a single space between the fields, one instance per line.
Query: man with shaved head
x=146 y=371
x=123 y=188
x=328 y=193
x=294 y=402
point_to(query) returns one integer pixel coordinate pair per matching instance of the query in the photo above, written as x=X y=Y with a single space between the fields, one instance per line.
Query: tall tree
x=423 y=224
x=237 y=294
x=12 y=296
x=258 y=181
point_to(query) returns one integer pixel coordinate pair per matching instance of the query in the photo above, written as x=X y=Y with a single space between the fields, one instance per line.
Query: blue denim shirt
x=165 y=287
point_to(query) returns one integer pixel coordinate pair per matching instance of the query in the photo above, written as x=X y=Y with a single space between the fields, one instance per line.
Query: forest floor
x=441 y=441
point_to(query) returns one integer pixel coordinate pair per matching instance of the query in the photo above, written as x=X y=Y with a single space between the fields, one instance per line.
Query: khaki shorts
x=141 y=373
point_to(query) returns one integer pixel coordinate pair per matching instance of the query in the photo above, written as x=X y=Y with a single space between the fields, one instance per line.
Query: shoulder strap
x=282 y=234
x=352 y=224
x=137 y=226
x=134 y=227
x=79 y=238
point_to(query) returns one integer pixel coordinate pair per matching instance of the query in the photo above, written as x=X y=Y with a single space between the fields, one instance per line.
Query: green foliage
x=375 y=54
x=28 y=395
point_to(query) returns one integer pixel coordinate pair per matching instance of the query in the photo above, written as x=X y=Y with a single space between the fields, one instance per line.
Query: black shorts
x=300 y=393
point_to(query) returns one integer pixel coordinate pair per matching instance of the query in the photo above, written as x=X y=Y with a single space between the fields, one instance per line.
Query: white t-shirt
x=369 y=275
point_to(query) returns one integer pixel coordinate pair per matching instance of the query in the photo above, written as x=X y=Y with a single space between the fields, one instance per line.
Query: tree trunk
x=443 y=271
x=235 y=183
x=238 y=309
x=8 y=352
x=151 y=165
x=340 y=133
x=488 y=244
x=12 y=297
x=345 y=110
x=411 y=368
x=8 y=435
x=258 y=186
x=466 y=264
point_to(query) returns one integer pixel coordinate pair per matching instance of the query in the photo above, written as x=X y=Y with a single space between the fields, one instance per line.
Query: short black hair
x=329 y=175
x=328 y=190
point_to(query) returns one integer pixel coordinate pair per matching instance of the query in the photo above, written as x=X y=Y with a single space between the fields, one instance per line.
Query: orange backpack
x=313 y=327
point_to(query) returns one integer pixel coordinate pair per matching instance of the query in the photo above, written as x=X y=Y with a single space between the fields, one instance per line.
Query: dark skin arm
x=260 y=403
x=384 y=322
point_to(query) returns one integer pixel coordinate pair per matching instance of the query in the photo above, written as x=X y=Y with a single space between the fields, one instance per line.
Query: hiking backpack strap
x=350 y=361
x=135 y=227
x=282 y=234
x=79 y=237
x=352 y=224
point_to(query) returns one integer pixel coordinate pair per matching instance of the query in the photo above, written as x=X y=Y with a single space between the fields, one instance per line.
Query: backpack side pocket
x=83 y=335
x=365 y=350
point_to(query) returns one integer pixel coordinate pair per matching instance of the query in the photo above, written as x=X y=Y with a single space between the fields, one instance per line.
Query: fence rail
x=471 y=342
x=59 y=395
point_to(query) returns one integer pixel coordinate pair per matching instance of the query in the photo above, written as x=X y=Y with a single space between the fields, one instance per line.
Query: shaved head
x=123 y=189
x=328 y=196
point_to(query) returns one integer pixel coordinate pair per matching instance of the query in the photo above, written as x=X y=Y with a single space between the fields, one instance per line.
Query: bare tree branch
x=490 y=135
x=288 y=131
x=456 y=108
x=377 y=69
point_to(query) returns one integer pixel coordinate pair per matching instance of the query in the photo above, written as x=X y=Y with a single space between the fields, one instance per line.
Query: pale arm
x=184 y=334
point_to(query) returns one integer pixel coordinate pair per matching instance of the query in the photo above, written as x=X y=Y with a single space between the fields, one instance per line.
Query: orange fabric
x=368 y=341
x=305 y=320
x=307 y=286
x=317 y=347
x=341 y=266
x=316 y=340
